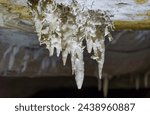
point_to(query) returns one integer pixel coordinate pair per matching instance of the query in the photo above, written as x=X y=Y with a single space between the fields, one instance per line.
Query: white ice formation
x=64 y=27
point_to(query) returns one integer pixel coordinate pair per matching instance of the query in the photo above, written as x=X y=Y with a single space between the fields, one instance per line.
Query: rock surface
x=129 y=52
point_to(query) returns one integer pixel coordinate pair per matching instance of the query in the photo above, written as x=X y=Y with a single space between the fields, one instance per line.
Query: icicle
x=79 y=72
x=90 y=45
x=137 y=83
x=99 y=84
x=64 y=56
x=13 y=57
x=99 y=55
x=65 y=28
x=146 y=80
x=100 y=64
x=55 y=43
x=105 y=86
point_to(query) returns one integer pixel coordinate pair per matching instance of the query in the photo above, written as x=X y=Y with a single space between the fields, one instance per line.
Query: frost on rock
x=64 y=27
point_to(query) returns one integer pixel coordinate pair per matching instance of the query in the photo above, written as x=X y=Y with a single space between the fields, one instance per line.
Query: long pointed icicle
x=79 y=72
x=65 y=26
x=105 y=86
x=99 y=84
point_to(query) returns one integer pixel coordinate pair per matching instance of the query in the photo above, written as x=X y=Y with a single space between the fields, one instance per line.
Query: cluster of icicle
x=64 y=27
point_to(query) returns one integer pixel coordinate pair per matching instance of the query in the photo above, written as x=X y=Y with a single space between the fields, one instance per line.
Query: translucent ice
x=64 y=25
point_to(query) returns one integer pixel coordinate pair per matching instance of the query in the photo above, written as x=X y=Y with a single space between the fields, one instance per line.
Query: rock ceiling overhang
x=126 y=14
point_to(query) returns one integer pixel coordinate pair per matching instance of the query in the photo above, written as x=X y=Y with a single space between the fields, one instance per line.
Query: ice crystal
x=64 y=27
